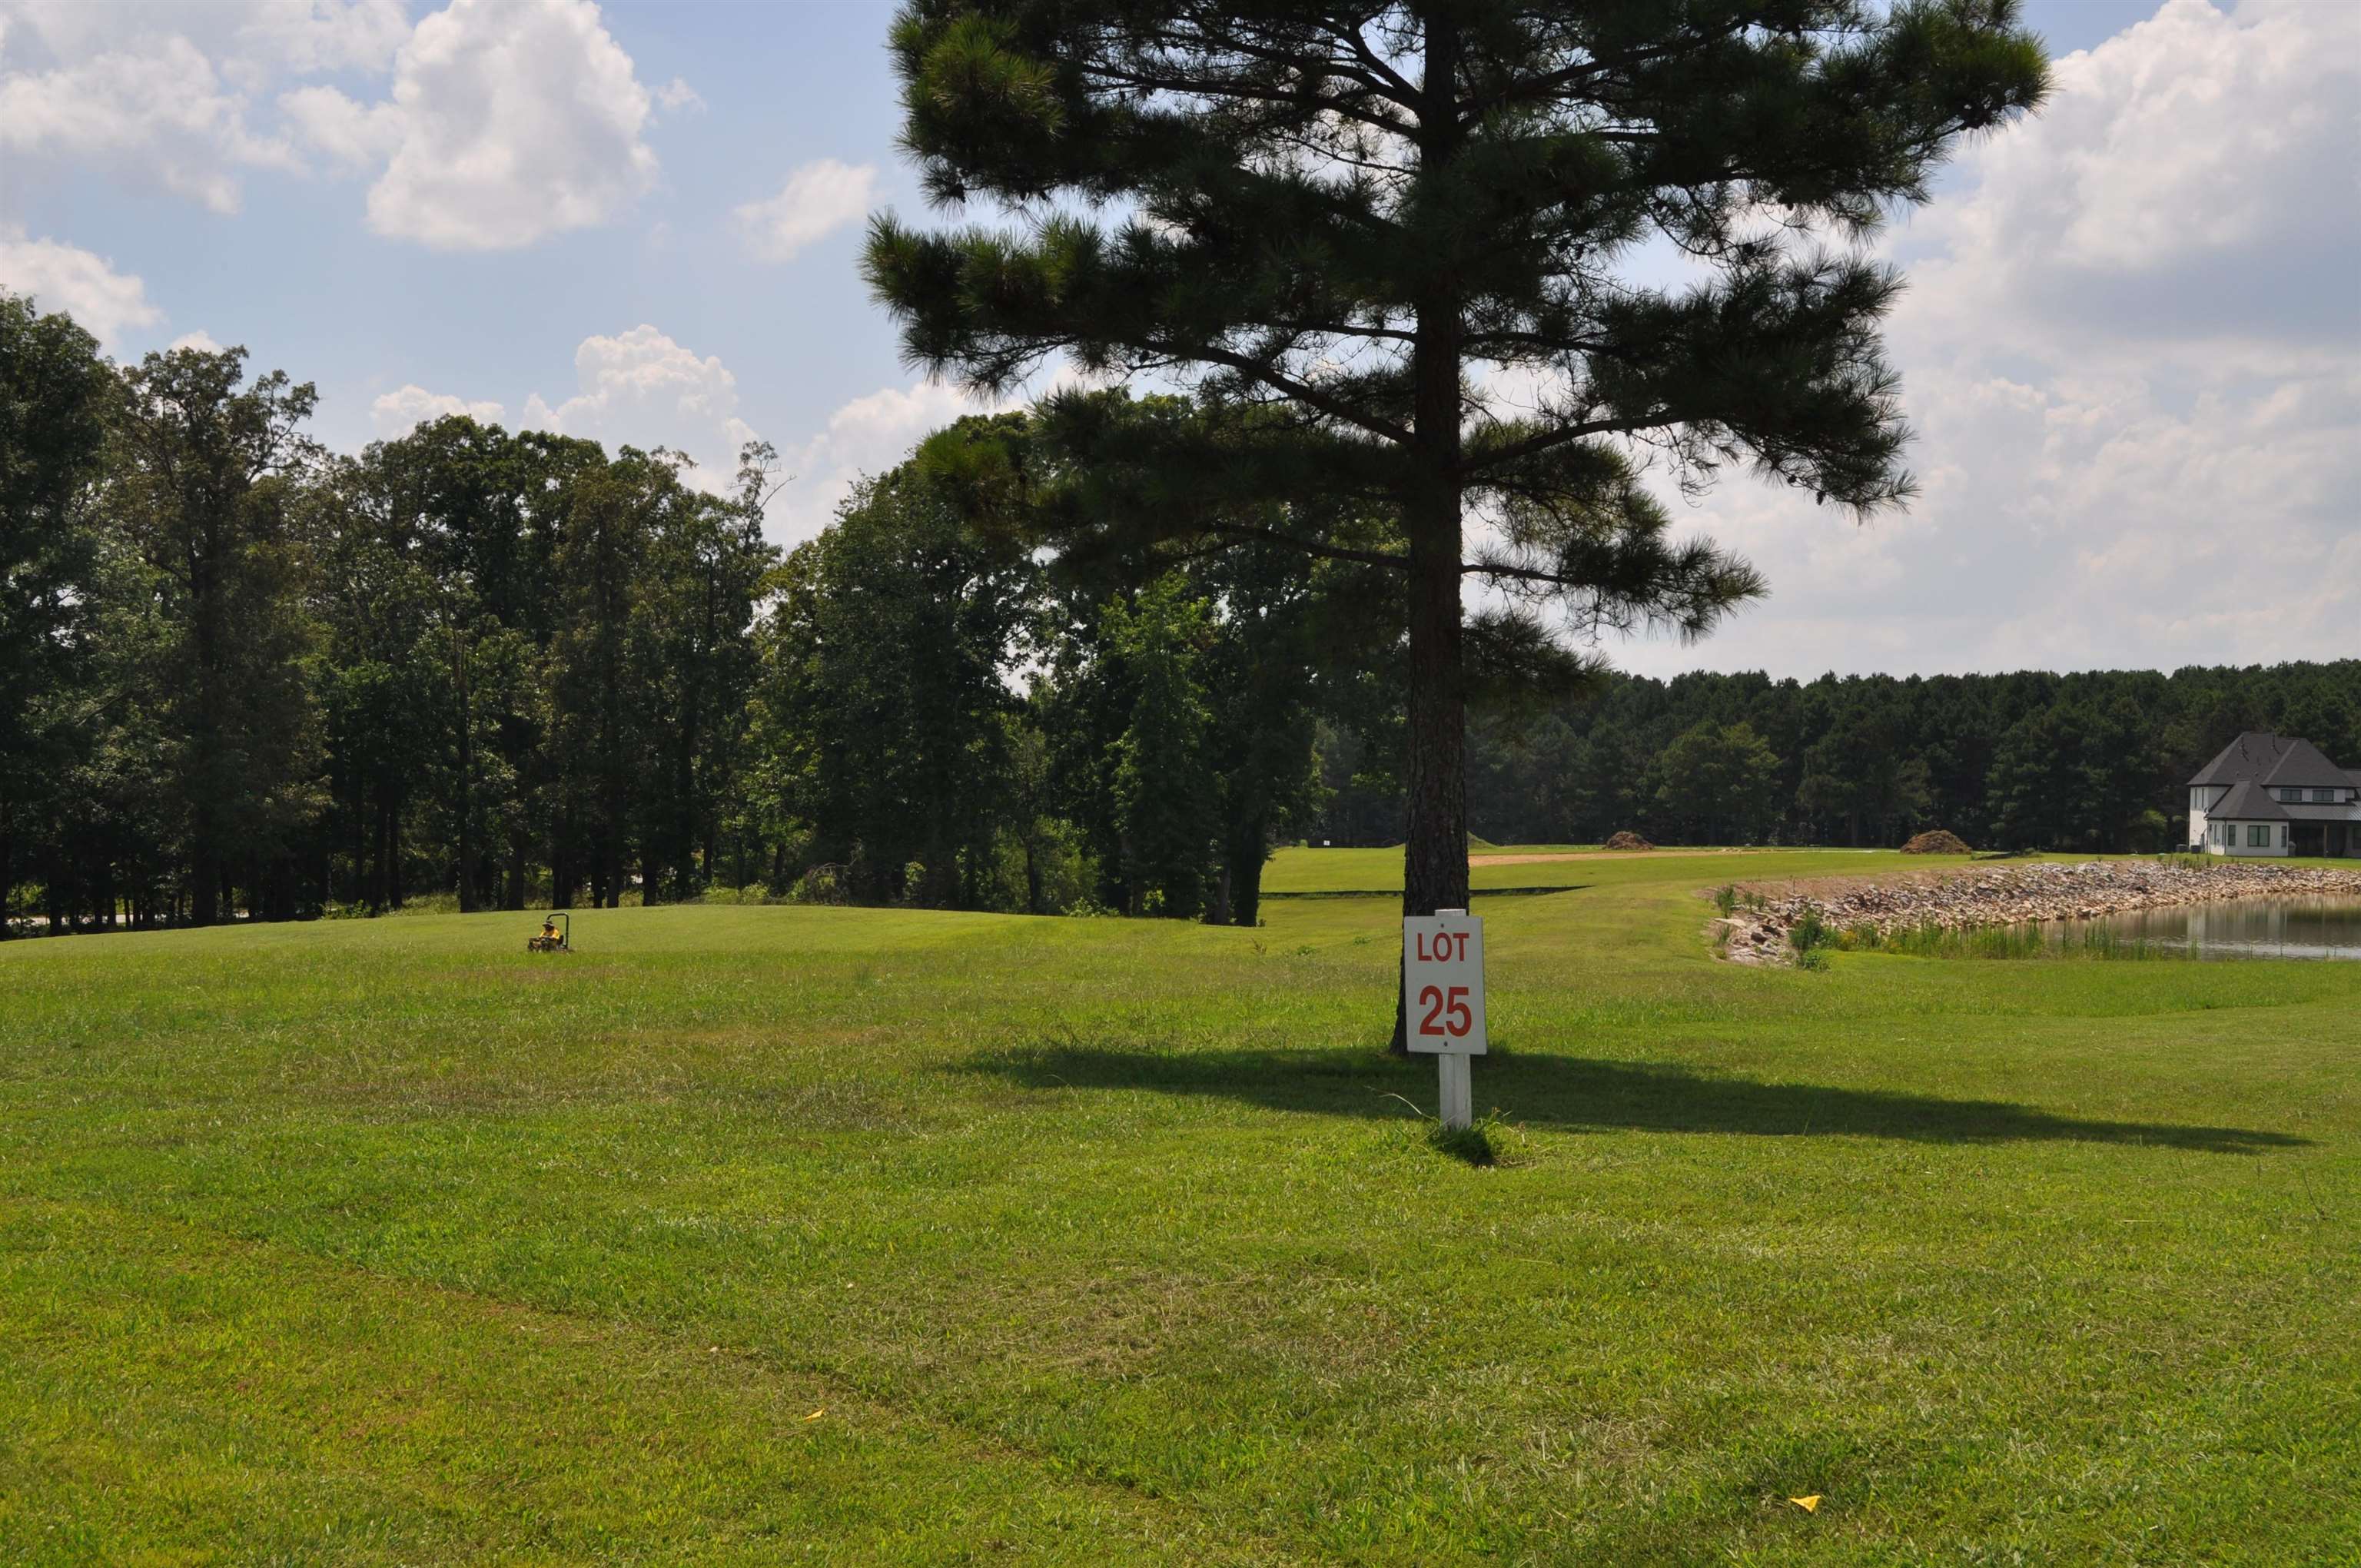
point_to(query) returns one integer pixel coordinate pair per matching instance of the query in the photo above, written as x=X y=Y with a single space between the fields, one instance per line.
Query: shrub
x=818 y=884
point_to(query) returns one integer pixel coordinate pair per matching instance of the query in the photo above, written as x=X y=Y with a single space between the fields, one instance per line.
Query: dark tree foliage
x=246 y=677
x=55 y=393
x=1387 y=245
x=884 y=691
x=2092 y=761
x=204 y=476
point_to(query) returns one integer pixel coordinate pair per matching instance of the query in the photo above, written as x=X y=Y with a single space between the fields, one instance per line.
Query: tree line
x=245 y=676
x=2097 y=760
x=249 y=677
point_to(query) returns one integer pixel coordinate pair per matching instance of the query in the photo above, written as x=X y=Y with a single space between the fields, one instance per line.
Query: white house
x=2271 y=794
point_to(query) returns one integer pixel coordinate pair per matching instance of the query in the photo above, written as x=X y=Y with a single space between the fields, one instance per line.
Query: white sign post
x=1443 y=989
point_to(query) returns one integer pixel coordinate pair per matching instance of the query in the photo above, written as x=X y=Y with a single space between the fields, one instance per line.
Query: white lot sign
x=1443 y=991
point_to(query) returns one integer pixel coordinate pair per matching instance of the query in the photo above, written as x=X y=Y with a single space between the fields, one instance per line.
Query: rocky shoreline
x=1757 y=930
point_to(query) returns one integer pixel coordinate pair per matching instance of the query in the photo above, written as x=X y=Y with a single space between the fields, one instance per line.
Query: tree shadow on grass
x=1573 y=1093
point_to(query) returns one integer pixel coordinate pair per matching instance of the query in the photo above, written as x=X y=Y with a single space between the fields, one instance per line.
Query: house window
x=2324 y=796
x=2258 y=836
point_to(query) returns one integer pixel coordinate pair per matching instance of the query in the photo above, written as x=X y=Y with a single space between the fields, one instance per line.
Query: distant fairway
x=1504 y=866
x=1104 y=1240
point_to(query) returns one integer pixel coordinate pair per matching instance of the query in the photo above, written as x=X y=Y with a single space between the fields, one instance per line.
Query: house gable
x=2251 y=756
x=2301 y=766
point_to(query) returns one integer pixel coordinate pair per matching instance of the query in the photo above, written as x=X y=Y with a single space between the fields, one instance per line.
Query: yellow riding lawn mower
x=556 y=935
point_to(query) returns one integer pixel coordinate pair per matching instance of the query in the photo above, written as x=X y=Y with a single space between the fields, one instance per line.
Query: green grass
x=1321 y=872
x=1106 y=1241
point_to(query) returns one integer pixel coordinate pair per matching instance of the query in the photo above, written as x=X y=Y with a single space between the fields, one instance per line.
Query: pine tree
x=1385 y=244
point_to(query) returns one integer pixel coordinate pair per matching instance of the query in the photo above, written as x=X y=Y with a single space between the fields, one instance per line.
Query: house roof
x=2251 y=756
x=2279 y=759
x=2302 y=765
x=2247 y=802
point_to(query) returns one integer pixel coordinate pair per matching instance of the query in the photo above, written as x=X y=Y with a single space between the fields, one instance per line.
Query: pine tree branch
x=1552 y=84
x=1279 y=381
x=1387 y=85
x=1550 y=439
x=1136 y=82
x=1385 y=559
x=1401 y=91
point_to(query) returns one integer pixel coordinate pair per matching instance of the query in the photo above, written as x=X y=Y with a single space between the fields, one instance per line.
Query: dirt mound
x=1941 y=841
x=1629 y=841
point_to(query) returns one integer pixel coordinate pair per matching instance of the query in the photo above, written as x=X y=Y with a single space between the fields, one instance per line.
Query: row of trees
x=239 y=674
x=2095 y=760
x=245 y=674
x=248 y=675
x=955 y=723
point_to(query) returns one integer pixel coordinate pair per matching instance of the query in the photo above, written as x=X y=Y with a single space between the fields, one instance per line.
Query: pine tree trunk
x=1435 y=851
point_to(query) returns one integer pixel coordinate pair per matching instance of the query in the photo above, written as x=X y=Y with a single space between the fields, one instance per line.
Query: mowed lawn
x=809 y=1235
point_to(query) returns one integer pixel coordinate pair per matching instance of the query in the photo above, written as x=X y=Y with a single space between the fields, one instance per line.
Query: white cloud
x=2195 y=131
x=641 y=388
x=2188 y=190
x=2132 y=348
x=199 y=340
x=505 y=121
x=518 y=119
x=867 y=435
x=105 y=302
x=818 y=198
x=350 y=135
x=678 y=96
x=161 y=95
x=307 y=36
x=244 y=36
x=872 y=434
x=398 y=412
x=157 y=112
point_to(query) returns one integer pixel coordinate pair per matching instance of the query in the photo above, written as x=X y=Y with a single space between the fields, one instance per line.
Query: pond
x=2245 y=928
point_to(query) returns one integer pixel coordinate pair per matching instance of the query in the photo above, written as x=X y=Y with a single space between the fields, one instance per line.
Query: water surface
x=2311 y=928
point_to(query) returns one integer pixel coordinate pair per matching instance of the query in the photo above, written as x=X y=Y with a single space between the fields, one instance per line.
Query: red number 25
x=1456 y=1019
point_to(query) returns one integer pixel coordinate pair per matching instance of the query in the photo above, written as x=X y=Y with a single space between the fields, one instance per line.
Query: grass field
x=1504 y=868
x=774 y=1234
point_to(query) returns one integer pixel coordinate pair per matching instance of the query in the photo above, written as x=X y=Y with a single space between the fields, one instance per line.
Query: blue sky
x=2130 y=344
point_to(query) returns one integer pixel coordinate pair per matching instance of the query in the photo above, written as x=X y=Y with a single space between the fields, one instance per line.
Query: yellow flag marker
x=1810 y=1505
x=823 y=1410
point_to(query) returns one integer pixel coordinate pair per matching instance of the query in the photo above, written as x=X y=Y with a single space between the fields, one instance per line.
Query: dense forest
x=243 y=676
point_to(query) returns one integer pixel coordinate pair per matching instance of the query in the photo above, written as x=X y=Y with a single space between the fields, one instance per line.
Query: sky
x=2131 y=344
